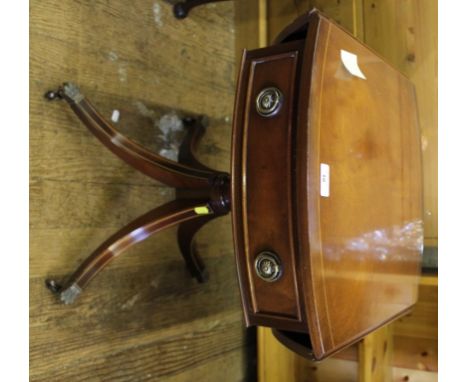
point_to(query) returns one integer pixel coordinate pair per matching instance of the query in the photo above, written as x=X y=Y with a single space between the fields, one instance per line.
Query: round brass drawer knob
x=269 y=101
x=268 y=266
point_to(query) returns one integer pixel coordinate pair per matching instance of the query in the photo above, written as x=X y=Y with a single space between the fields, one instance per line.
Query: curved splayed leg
x=170 y=214
x=195 y=131
x=185 y=238
x=182 y=8
x=202 y=194
x=162 y=169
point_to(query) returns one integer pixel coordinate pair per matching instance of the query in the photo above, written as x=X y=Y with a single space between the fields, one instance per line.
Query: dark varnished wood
x=195 y=130
x=168 y=215
x=355 y=254
x=262 y=151
x=295 y=341
x=350 y=260
x=143 y=318
x=181 y=9
x=202 y=194
x=156 y=166
x=185 y=238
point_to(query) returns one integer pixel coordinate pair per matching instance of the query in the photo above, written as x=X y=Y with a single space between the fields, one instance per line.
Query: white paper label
x=324 y=180
x=350 y=62
x=115 y=116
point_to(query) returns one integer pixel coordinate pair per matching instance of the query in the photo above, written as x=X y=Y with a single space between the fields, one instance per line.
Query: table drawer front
x=265 y=192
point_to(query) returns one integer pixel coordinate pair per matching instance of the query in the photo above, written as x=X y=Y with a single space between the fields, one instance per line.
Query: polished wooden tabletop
x=364 y=240
x=350 y=187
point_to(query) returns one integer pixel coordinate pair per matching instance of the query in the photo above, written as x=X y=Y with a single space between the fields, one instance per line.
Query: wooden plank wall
x=143 y=318
x=405 y=33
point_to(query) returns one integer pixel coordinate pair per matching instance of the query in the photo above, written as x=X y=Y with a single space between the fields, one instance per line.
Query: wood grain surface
x=144 y=318
x=405 y=34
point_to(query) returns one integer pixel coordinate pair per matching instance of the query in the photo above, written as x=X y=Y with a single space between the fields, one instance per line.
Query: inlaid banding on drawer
x=267 y=185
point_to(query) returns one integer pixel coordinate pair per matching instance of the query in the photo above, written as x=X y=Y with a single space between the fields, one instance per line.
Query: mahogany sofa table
x=325 y=189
